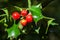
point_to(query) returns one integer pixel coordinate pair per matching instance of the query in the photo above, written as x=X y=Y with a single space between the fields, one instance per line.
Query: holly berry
x=15 y=15
x=24 y=12
x=29 y=18
x=23 y=22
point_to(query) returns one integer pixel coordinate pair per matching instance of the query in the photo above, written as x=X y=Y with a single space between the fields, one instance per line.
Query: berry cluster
x=26 y=17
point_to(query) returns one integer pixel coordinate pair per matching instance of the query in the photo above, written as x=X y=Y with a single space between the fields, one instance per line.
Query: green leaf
x=37 y=30
x=13 y=31
x=53 y=23
x=36 y=12
x=6 y=11
x=5 y=25
x=2 y=15
x=49 y=23
x=18 y=8
x=2 y=19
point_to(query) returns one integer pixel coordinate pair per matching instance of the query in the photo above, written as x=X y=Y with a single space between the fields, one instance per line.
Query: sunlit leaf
x=36 y=12
x=13 y=31
x=6 y=11
x=18 y=8
x=49 y=23
x=53 y=23
x=37 y=30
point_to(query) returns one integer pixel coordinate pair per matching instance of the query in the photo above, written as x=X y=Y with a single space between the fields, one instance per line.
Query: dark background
x=50 y=8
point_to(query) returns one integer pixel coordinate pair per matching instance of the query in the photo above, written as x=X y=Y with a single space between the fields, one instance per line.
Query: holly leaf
x=36 y=12
x=49 y=23
x=18 y=8
x=13 y=31
x=37 y=30
x=6 y=11
x=53 y=23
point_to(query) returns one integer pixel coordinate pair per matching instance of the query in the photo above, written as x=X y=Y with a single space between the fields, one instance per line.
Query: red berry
x=23 y=22
x=29 y=18
x=15 y=15
x=24 y=12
